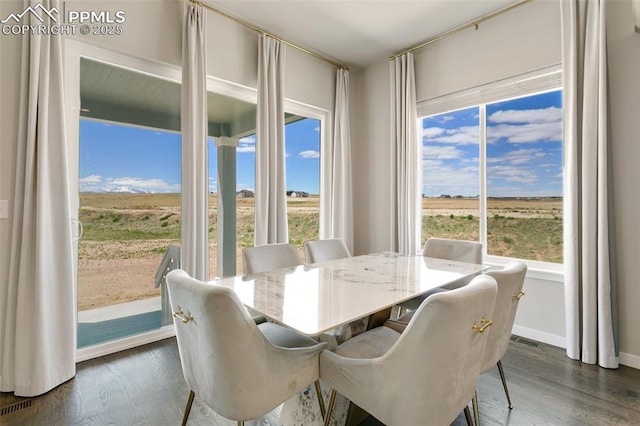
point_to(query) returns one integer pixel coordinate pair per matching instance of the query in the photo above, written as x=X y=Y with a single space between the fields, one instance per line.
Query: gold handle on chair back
x=484 y=324
x=518 y=295
x=180 y=315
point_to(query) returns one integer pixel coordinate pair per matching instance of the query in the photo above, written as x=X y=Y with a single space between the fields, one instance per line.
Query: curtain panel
x=195 y=190
x=38 y=305
x=591 y=305
x=405 y=149
x=271 y=197
x=341 y=225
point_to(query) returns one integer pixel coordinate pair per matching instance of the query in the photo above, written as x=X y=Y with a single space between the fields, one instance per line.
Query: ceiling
x=357 y=33
x=121 y=95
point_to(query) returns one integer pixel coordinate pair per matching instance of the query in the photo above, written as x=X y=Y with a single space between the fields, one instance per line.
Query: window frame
x=540 y=81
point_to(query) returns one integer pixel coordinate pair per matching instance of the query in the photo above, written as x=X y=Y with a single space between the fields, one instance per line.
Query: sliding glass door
x=129 y=175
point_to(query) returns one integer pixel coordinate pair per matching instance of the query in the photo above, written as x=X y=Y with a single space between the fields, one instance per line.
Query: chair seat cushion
x=284 y=337
x=370 y=344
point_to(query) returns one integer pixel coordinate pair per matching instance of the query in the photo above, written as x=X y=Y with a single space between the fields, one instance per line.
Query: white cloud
x=437 y=152
x=317 y=129
x=251 y=139
x=309 y=154
x=512 y=174
x=96 y=183
x=438 y=178
x=544 y=115
x=519 y=156
x=90 y=179
x=526 y=133
x=464 y=135
x=247 y=144
x=432 y=132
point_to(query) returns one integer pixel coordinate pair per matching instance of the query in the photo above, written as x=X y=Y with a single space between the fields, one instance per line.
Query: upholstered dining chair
x=444 y=248
x=322 y=250
x=510 y=281
x=331 y=249
x=239 y=369
x=448 y=330
x=269 y=256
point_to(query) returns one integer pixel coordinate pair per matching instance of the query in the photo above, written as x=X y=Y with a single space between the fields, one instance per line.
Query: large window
x=302 y=140
x=493 y=172
x=129 y=184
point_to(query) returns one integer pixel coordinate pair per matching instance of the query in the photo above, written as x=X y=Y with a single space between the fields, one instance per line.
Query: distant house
x=297 y=194
x=244 y=193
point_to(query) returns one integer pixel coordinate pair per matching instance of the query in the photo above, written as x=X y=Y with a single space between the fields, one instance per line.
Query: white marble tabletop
x=316 y=298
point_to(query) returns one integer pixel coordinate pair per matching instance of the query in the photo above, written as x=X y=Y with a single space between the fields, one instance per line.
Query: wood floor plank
x=145 y=386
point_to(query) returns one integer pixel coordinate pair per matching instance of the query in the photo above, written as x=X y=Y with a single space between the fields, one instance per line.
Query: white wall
x=522 y=40
x=371 y=153
x=624 y=95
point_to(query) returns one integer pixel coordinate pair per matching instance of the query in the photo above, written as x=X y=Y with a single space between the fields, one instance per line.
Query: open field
x=126 y=235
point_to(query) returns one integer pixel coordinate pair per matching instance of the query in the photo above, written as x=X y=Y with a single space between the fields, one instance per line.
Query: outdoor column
x=226 y=251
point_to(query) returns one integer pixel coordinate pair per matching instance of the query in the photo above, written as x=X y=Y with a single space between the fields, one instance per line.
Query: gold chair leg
x=504 y=383
x=332 y=400
x=323 y=412
x=187 y=409
x=476 y=408
x=467 y=415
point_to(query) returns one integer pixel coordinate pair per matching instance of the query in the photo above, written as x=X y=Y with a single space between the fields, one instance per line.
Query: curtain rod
x=261 y=31
x=474 y=23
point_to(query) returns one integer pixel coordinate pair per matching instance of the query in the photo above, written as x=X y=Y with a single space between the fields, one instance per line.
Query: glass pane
x=232 y=126
x=524 y=177
x=129 y=189
x=130 y=211
x=302 y=136
x=450 y=175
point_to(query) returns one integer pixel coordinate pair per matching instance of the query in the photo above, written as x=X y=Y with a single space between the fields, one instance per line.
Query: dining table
x=314 y=299
x=318 y=298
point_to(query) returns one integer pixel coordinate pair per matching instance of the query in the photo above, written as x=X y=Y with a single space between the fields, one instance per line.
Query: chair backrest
x=322 y=250
x=510 y=280
x=437 y=357
x=226 y=359
x=270 y=256
x=460 y=250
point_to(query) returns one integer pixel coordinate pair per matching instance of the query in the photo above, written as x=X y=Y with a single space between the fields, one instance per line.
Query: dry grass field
x=126 y=235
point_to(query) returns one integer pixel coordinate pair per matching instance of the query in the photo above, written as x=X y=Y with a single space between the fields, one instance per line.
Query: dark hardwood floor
x=144 y=386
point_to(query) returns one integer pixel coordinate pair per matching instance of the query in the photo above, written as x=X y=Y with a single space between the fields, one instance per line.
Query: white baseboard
x=539 y=336
x=630 y=360
x=91 y=352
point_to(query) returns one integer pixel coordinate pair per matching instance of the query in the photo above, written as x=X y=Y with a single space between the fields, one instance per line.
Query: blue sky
x=524 y=149
x=132 y=159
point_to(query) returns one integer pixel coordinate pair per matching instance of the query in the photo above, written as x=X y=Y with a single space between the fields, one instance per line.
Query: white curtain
x=38 y=321
x=406 y=158
x=589 y=289
x=195 y=186
x=341 y=225
x=271 y=196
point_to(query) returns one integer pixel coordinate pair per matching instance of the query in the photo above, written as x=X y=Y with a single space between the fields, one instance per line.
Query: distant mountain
x=127 y=190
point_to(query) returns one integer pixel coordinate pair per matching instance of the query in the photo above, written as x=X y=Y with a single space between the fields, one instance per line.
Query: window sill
x=546 y=271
